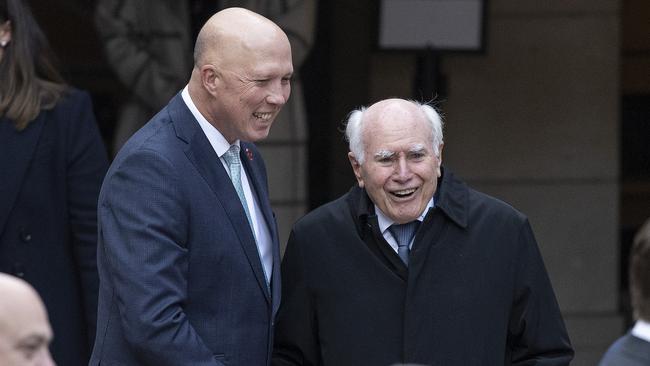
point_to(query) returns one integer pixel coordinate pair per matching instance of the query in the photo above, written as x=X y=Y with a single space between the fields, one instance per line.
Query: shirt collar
x=642 y=330
x=216 y=139
x=385 y=222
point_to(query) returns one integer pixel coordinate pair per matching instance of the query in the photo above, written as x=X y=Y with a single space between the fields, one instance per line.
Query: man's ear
x=5 y=33
x=356 y=167
x=210 y=78
x=439 y=160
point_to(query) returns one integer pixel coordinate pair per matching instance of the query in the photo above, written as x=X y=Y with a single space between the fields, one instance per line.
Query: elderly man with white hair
x=412 y=266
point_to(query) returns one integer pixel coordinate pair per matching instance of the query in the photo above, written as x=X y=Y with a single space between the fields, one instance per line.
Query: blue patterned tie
x=403 y=234
x=234 y=166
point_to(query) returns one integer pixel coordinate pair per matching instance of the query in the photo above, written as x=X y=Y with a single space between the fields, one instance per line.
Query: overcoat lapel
x=18 y=149
x=202 y=155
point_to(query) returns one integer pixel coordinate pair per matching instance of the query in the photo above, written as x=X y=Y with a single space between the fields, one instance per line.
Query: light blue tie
x=234 y=167
x=403 y=234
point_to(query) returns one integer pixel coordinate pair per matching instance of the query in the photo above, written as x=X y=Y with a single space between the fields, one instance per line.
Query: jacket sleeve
x=86 y=164
x=296 y=331
x=536 y=331
x=144 y=246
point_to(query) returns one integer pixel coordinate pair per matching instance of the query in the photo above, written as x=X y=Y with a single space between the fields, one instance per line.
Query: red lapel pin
x=249 y=154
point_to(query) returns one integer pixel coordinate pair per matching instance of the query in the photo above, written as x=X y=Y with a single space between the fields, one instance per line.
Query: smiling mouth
x=404 y=193
x=266 y=116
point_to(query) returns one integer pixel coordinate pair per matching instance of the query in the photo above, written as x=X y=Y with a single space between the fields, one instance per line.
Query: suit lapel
x=18 y=148
x=248 y=157
x=202 y=155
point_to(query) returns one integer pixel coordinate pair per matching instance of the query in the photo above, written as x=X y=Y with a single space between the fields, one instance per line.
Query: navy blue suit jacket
x=181 y=282
x=50 y=174
x=628 y=350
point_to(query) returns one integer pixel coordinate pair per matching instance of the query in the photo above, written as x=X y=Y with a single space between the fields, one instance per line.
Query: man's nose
x=402 y=169
x=278 y=95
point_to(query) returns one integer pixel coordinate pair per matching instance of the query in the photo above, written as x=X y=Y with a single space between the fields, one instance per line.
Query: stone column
x=535 y=122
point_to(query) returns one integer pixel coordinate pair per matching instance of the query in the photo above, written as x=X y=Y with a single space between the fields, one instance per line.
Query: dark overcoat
x=51 y=173
x=475 y=293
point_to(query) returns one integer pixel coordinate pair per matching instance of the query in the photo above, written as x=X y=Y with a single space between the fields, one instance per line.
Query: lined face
x=252 y=87
x=400 y=170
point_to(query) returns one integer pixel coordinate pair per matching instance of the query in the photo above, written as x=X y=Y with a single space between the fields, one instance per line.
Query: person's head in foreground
x=25 y=331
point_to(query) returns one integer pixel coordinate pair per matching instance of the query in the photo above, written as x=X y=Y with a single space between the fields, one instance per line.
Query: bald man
x=25 y=331
x=412 y=266
x=188 y=251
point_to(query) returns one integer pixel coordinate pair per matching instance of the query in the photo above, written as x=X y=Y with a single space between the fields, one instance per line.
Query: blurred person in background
x=148 y=44
x=25 y=331
x=52 y=163
x=633 y=349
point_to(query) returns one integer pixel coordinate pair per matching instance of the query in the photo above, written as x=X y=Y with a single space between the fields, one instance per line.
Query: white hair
x=354 y=129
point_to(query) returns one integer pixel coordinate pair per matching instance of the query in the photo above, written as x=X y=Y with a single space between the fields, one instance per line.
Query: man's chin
x=258 y=135
x=404 y=218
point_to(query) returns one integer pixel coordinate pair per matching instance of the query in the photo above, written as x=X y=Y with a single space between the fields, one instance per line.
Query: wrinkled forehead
x=396 y=129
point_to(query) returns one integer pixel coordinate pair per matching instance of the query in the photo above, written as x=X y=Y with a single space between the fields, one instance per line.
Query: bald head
x=232 y=31
x=25 y=331
x=242 y=74
x=392 y=108
x=16 y=294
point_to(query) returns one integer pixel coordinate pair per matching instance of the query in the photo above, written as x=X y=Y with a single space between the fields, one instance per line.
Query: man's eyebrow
x=384 y=154
x=417 y=148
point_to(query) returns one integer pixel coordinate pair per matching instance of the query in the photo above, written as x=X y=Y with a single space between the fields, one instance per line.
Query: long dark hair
x=29 y=81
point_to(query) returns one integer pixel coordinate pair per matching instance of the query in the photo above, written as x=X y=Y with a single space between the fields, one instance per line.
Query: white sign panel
x=438 y=24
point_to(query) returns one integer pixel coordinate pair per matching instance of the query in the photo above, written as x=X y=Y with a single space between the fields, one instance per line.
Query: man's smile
x=264 y=116
x=404 y=193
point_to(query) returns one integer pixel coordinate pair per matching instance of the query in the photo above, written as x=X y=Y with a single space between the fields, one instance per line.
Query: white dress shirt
x=641 y=330
x=220 y=146
x=385 y=223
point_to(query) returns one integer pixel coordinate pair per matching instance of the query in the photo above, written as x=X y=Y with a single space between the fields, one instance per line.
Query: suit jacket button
x=25 y=236
x=19 y=270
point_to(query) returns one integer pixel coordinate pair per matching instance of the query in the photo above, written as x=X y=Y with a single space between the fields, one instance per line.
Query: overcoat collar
x=452 y=203
x=451 y=198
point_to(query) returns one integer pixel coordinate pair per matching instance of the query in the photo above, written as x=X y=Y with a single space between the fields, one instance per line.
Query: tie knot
x=232 y=155
x=403 y=233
